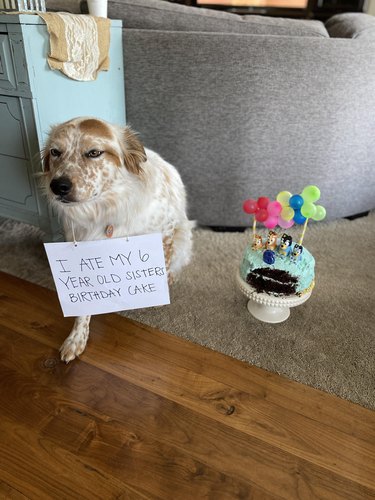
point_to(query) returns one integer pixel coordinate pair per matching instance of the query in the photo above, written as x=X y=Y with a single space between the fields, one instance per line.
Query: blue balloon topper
x=298 y=217
x=296 y=201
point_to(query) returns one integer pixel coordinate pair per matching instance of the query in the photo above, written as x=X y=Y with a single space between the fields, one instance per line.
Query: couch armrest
x=351 y=25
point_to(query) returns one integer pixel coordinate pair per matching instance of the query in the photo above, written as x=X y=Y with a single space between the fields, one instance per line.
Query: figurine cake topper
x=285 y=245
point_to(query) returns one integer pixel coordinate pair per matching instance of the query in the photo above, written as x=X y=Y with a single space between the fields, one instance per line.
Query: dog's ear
x=133 y=150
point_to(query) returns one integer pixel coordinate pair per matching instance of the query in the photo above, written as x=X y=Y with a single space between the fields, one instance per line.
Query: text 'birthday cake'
x=278 y=265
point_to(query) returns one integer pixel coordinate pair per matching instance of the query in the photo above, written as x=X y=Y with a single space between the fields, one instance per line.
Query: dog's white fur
x=101 y=175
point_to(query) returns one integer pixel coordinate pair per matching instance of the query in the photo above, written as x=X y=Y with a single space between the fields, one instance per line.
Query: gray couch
x=250 y=106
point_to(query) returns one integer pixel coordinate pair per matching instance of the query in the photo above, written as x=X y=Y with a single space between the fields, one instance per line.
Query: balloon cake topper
x=288 y=209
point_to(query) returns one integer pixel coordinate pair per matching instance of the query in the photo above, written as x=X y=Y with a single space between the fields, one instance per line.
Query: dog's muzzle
x=61 y=187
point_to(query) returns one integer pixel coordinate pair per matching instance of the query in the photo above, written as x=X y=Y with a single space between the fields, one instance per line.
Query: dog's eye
x=55 y=152
x=94 y=153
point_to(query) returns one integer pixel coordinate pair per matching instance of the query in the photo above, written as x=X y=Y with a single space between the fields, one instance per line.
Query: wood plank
x=283 y=428
x=279 y=427
x=39 y=468
x=314 y=404
x=306 y=401
x=8 y=492
x=142 y=400
x=100 y=416
x=109 y=432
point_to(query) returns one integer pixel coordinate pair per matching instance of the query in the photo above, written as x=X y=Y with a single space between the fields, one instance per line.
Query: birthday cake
x=277 y=265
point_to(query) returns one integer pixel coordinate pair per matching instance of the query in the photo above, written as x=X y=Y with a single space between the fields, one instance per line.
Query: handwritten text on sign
x=95 y=277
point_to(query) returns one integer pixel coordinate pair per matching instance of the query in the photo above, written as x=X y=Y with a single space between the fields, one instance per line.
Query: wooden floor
x=144 y=414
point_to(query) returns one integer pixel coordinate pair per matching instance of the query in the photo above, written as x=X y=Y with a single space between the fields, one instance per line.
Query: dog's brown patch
x=96 y=128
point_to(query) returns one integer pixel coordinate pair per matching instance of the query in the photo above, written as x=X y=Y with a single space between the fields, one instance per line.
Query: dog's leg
x=75 y=344
x=168 y=249
x=178 y=248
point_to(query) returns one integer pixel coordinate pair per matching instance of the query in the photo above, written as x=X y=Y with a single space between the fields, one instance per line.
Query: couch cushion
x=351 y=25
x=162 y=15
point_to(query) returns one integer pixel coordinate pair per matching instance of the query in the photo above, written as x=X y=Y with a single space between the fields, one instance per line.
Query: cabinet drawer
x=7 y=75
x=17 y=188
x=12 y=141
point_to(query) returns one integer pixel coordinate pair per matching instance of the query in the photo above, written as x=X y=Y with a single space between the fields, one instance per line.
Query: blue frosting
x=303 y=268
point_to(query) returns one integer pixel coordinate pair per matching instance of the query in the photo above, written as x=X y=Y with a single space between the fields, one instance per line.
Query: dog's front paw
x=71 y=348
x=75 y=344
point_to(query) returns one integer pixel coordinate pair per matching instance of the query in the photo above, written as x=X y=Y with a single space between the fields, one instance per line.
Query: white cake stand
x=268 y=308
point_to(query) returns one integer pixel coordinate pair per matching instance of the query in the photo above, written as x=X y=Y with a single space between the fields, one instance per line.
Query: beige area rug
x=327 y=343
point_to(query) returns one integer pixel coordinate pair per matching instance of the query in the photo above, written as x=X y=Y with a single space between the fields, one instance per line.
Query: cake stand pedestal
x=269 y=308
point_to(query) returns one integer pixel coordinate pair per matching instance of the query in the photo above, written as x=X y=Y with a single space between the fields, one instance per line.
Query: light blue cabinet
x=32 y=98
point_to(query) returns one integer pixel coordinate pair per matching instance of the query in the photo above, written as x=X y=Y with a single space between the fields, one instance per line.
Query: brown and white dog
x=98 y=175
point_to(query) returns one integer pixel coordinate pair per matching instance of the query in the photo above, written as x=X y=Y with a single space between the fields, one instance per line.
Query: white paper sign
x=95 y=277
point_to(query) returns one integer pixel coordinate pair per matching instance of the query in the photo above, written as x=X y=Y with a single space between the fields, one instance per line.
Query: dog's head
x=84 y=156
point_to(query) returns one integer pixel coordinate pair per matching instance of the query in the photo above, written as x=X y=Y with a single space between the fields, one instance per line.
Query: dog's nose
x=61 y=186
